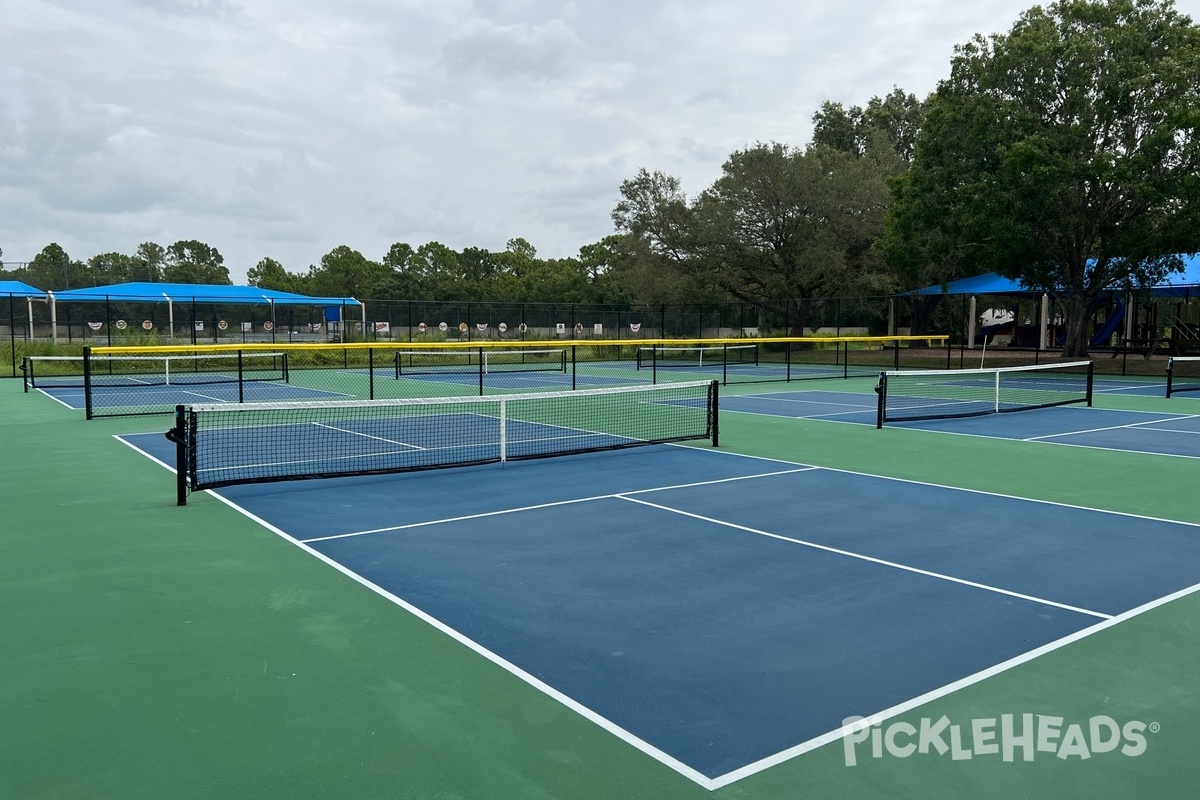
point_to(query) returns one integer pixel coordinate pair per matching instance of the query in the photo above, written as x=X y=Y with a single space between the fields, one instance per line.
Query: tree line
x=1064 y=153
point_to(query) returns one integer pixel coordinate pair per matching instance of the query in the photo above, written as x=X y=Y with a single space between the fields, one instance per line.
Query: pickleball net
x=937 y=394
x=225 y=445
x=1183 y=374
x=666 y=356
x=452 y=362
x=133 y=371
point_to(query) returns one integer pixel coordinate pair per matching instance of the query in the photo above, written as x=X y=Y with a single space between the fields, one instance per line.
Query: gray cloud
x=279 y=129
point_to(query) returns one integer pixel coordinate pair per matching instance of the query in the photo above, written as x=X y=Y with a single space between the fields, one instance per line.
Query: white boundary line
x=1037 y=440
x=950 y=688
x=712 y=784
x=585 y=712
x=554 y=504
x=58 y=400
x=871 y=559
x=1108 y=428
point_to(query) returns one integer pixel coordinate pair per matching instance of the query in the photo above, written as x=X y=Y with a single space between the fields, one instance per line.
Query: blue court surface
x=1080 y=426
x=723 y=613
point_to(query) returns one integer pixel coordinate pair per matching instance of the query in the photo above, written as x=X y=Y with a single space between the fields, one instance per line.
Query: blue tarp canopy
x=144 y=292
x=991 y=283
x=1177 y=283
x=18 y=289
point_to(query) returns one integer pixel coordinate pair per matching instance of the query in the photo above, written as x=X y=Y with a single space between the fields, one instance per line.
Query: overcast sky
x=284 y=129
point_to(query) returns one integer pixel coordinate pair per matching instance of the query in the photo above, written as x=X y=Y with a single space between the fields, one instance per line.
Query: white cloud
x=285 y=129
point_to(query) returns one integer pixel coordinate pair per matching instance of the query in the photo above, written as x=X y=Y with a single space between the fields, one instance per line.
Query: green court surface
x=152 y=651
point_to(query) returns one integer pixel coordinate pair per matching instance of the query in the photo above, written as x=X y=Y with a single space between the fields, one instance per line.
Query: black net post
x=1091 y=369
x=573 y=387
x=714 y=406
x=179 y=435
x=881 y=400
x=371 y=372
x=87 y=381
x=241 y=378
x=480 y=350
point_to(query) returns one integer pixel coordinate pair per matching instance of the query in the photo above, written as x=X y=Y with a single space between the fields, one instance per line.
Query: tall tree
x=897 y=117
x=1065 y=153
x=53 y=270
x=105 y=269
x=401 y=280
x=151 y=258
x=270 y=274
x=782 y=223
x=345 y=272
x=190 y=261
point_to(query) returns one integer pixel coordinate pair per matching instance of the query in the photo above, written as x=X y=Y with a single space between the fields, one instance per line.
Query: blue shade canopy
x=1177 y=283
x=19 y=289
x=193 y=292
x=991 y=283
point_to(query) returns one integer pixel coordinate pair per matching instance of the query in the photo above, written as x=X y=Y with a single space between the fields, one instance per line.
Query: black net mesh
x=235 y=444
x=1183 y=374
x=962 y=393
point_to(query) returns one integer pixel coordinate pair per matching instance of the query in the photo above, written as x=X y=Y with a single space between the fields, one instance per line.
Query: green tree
x=656 y=241
x=1064 y=153
x=345 y=272
x=270 y=274
x=190 y=261
x=401 y=280
x=897 y=117
x=53 y=270
x=436 y=268
x=105 y=269
x=151 y=258
x=782 y=223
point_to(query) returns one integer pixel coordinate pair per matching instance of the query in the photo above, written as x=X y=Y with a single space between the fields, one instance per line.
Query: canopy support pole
x=1044 y=332
x=53 y=317
x=971 y=324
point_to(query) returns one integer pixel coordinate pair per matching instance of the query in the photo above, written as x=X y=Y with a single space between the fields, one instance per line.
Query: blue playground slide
x=1109 y=327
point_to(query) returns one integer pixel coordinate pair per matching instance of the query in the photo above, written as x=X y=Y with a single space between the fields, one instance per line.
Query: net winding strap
x=224 y=445
x=935 y=394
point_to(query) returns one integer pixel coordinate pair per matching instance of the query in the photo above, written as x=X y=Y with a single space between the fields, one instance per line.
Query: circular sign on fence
x=122 y=324
x=502 y=327
x=522 y=327
x=268 y=326
x=222 y=324
x=147 y=325
x=442 y=327
x=421 y=327
x=462 y=326
x=579 y=327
